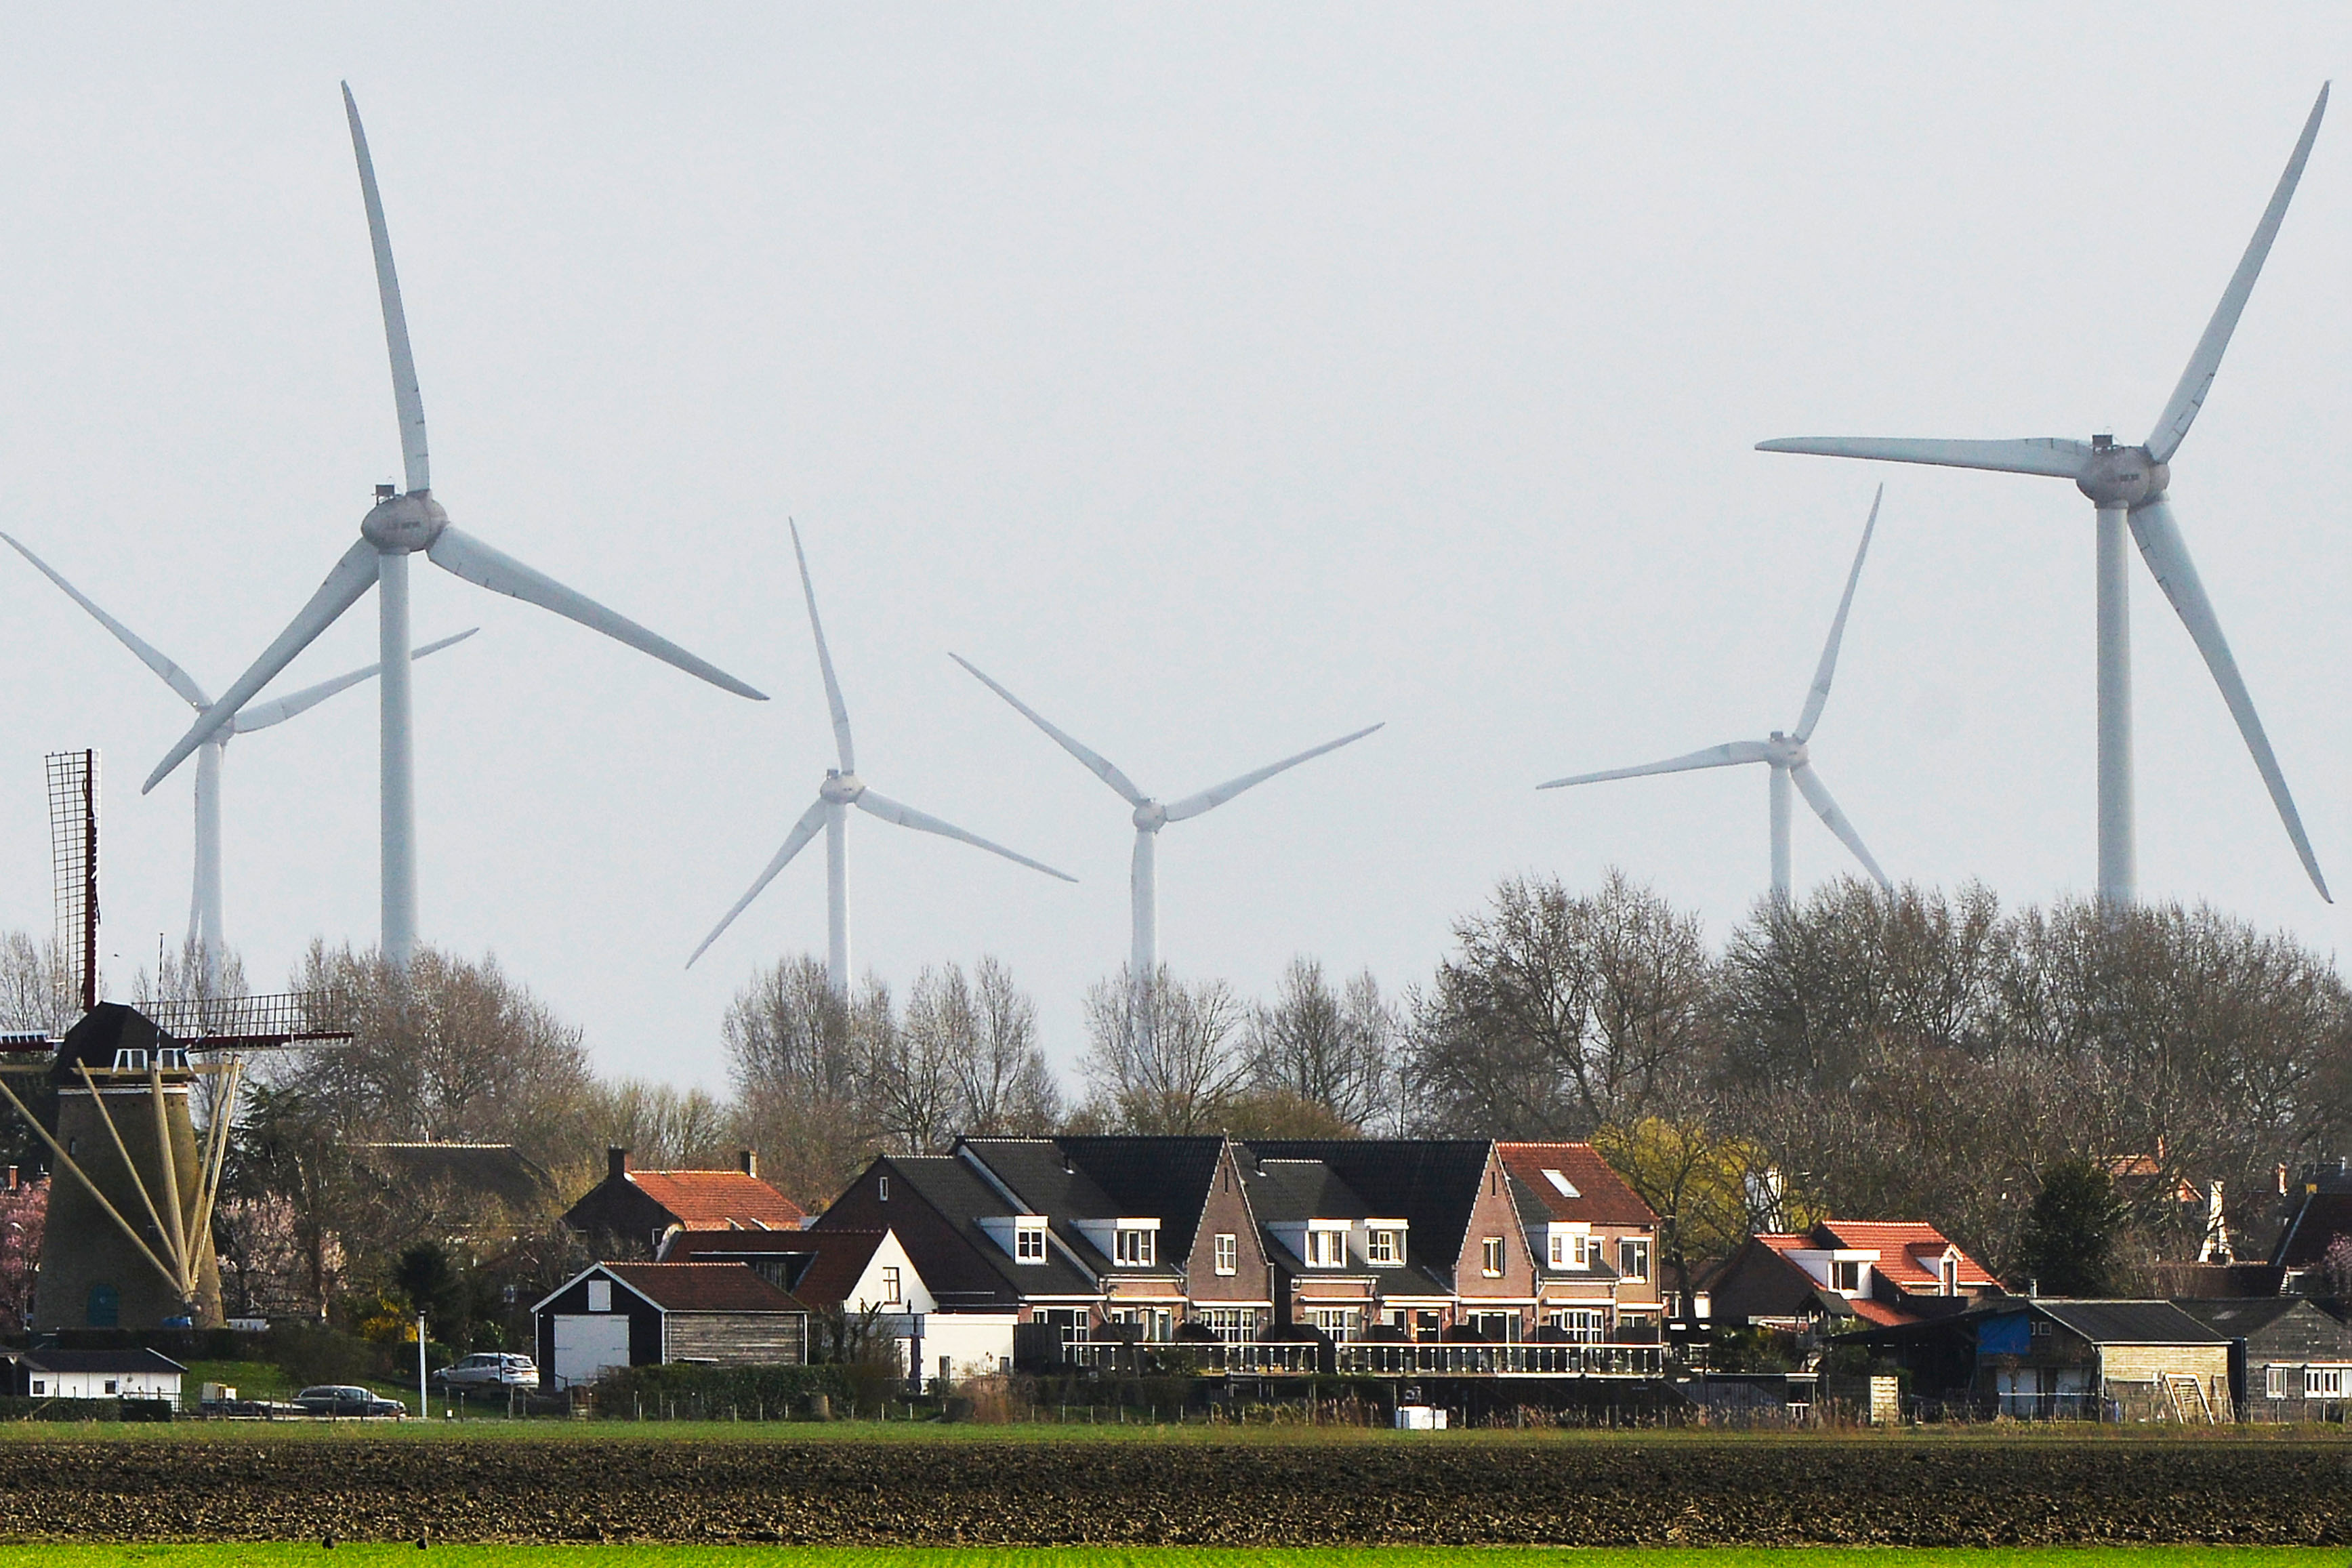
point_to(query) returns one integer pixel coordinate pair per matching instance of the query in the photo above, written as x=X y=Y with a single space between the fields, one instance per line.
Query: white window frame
x=1582 y=1325
x=1950 y=1275
x=1229 y=1253
x=1327 y=1248
x=2323 y=1382
x=1339 y=1322
x=2274 y=1381
x=1491 y=1258
x=894 y=1290
x=1846 y=1276
x=1235 y=1325
x=1134 y=1247
x=1384 y=1247
x=600 y=1295
x=1634 y=1247
x=1029 y=1243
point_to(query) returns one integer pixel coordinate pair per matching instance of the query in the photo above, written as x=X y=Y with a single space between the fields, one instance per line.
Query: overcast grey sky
x=1221 y=380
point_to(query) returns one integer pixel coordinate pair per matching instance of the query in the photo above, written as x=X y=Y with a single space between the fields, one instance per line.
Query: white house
x=96 y=1374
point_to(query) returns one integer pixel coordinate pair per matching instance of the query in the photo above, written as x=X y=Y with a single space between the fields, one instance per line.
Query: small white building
x=96 y=1374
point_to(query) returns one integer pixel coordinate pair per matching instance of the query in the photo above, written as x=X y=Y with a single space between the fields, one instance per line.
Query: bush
x=311 y=1356
x=19 y=1408
x=751 y=1392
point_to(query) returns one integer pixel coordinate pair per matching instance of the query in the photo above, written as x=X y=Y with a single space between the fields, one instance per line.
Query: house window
x=2273 y=1383
x=1340 y=1322
x=1235 y=1325
x=1633 y=1258
x=1582 y=1325
x=600 y=1295
x=1490 y=1258
x=1134 y=1248
x=1327 y=1248
x=1496 y=1328
x=1951 y=1276
x=1573 y=1252
x=113 y=1385
x=1029 y=1244
x=891 y=1294
x=1229 y=1253
x=882 y=1189
x=1385 y=1249
x=1072 y=1321
x=1158 y=1323
x=2040 y=1329
x=41 y=1385
x=1845 y=1275
x=2323 y=1383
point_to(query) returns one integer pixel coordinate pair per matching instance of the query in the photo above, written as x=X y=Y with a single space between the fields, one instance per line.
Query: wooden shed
x=641 y=1314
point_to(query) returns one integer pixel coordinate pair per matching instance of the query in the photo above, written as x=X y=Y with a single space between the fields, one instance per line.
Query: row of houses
x=1384 y=1257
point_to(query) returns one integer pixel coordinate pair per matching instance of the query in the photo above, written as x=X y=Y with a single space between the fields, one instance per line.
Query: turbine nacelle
x=1151 y=816
x=2126 y=477
x=1785 y=751
x=841 y=788
x=399 y=525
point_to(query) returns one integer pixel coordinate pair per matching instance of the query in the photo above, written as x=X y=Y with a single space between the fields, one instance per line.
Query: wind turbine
x=2128 y=485
x=1785 y=754
x=205 y=931
x=841 y=790
x=400 y=525
x=1151 y=815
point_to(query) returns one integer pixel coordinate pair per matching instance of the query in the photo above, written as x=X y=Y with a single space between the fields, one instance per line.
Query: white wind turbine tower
x=399 y=526
x=1150 y=816
x=1785 y=754
x=841 y=790
x=2126 y=485
x=205 y=931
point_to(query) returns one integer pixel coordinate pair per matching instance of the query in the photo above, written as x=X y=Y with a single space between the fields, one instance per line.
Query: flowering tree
x=24 y=1214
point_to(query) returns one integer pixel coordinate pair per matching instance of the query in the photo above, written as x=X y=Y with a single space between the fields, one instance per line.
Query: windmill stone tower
x=130 y=1228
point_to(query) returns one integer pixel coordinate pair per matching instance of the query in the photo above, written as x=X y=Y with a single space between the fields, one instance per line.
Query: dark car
x=347 y=1399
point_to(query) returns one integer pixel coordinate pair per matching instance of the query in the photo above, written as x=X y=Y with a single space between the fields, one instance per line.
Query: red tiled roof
x=1879 y=1313
x=1603 y=1197
x=1909 y=1252
x=718 y=1200
x=703 y=1286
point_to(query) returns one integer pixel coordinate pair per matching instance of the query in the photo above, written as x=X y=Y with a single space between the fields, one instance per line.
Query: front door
x=588 y=1343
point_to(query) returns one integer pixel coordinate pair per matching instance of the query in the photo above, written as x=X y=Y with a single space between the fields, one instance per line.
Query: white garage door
x=587 y=1343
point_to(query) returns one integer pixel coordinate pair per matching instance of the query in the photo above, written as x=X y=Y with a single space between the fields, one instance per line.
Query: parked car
x=347 y=1399
x=490 y=1369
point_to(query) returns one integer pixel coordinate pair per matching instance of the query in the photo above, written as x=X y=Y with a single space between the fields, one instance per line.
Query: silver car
x=490 y=1369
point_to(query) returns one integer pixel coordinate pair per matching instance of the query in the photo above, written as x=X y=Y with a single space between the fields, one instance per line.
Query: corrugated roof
x=703 y=1286
x=1602 y=1196
x=2126 y=1322
x=2240 y=1318
x=715 y=1200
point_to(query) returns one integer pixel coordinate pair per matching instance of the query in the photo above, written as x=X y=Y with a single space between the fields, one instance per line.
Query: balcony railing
x=1501 y=1360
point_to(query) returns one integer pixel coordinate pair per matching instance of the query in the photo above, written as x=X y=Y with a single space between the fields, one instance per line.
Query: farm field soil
x=406 y=1555
x=282 y=1555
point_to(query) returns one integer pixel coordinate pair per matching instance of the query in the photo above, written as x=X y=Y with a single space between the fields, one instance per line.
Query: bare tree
x=798 y=1056
x=662 y=1126
x=1161 y=1058
x=984 y=1031
x=1335 y=1051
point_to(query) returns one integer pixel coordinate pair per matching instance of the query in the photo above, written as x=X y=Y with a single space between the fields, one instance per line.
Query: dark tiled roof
x=961 y=1195
x=493 y=1170
x=1432 y=1184
x=2251 y=1315
x=143 y=1360
x=1164 y=1177
x=1050 y=1183
x=703 y=1286
x=2318 y=1220
x=1291 y=1191
x=2125 y=1322
x=99 y=1033
x=1602 y=1196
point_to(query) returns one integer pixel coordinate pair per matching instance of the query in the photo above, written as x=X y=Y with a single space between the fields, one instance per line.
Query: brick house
x=1844 y=1273
x=631 y=1209
x=1594 y=1242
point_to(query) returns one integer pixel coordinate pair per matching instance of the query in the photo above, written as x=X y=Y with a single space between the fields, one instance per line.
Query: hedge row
x=23 y=1407
x=772 y=1392
x=1921 y=1491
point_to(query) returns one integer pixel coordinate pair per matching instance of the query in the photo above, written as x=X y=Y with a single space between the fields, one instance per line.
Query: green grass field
x=407 y=1555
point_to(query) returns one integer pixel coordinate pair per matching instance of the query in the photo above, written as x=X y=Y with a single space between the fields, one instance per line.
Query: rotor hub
x=1151 y=816
x=400 y=524
x=841 y=788
x=2125 y=477
x=1787 y=752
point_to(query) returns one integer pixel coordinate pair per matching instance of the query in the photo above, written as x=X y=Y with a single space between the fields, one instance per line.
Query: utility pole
x=422 y=1409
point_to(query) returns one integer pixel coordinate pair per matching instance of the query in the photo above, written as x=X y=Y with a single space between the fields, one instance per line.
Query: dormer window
x=1846 y=1276
x=1327 y=1248
x=1134 y=1248
x=1384 y=1247
x=1573 y=1249
x=1029 y=1242
x=1951 y=1275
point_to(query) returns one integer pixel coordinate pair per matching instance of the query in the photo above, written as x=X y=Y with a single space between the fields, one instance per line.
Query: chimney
x=11 y=1178
x=748 y=1160
x=2281 y=1178
x=616 y=1163
x=2034 y=1287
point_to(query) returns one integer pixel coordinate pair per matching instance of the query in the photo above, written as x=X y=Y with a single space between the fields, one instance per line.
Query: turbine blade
x=1817 y=795
x=178 y=680
x=2187 y=397
x=1724 y=756
x=262 y=715
x=1819 y=694
x=1217 y=794
x=841 y=742
x=2054 y=455
x=810 y=823
x=2167 y=554
x=465 y=556
x=353 y=576
x=889 y=810
x=406 y=396
x=1098 y=764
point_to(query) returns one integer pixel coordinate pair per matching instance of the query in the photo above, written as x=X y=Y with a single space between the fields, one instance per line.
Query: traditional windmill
x=128 y=1241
